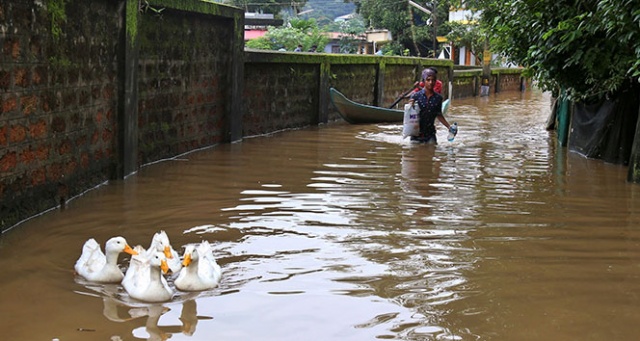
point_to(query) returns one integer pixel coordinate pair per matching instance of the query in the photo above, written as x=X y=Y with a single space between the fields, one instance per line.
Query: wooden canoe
x=356 y=113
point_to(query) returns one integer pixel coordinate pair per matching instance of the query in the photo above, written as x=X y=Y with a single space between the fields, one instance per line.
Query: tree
x=589 y=48
x=467 y=34
x=299 y=31
x=385 y=14
x=351 y=30
x=411 y=28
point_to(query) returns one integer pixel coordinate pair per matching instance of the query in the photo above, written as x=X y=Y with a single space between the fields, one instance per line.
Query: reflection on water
x=144 y=318
x=352 y=233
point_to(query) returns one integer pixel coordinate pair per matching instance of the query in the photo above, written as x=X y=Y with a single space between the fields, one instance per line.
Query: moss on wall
x=262 y=56
x=467 y=74
x=56 y=10
x=506 y=71
x=463 y=81
x=132 y=19
x=202 y=7
x=57 y=14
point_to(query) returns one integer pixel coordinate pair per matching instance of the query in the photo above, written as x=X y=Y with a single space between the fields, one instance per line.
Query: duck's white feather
x=138 y=268
x=200 y=270
x=160 y=243
x=144 y=281
x=96 y=266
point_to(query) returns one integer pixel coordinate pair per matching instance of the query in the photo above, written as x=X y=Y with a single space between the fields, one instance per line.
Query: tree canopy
x=411 y=28
x=590 y=48
x=299 y=31
x=467 y=34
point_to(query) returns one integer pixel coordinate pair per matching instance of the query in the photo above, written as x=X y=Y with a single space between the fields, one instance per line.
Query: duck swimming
x=138 y=267
x=95 y=266
x=144 y=281
x=200 y=270
x=160 y=243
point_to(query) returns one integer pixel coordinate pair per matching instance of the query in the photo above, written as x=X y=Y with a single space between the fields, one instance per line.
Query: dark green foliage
x=351 y=30
x=305 y=32
x=410 y=27
x=590 y=48
x=467 y=34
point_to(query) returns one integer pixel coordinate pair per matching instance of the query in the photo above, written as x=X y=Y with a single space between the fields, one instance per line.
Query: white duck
x=160 y=243
x=200 y=271
x=95 y=266
x=138 y=267
x=143 y=280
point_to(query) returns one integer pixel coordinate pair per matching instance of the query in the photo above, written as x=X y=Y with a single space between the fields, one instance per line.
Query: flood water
x=348 y=232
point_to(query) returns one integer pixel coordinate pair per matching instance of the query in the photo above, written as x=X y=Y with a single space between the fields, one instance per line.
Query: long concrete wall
x=467 y=83
x=286 y=90
x=91 y=90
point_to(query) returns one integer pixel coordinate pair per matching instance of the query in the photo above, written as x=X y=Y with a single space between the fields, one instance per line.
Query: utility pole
x=486 y=69
x=430 y=9
x=434 y=21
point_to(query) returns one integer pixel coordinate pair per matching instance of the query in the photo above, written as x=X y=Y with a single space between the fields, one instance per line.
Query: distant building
x=377 y=39
x=260 y=20
x=253 y=34
x=333 y=46
x=256 y=24
x=367 y=43
x=461 y=55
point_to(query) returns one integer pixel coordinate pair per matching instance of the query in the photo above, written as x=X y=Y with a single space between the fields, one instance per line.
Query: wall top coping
x=267 y=56
x=494 y=71
x=200 y=6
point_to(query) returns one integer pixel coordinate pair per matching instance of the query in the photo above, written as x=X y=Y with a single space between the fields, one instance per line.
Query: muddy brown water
x=348 y=232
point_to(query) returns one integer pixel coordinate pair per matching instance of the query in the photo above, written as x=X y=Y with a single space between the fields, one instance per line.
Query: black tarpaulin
x=605 y=130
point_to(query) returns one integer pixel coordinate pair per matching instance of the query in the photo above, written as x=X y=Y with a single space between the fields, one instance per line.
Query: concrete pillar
x=128 y=48
x=379 y=88
x=324 y=97
x=235 y=110
x=486 y=69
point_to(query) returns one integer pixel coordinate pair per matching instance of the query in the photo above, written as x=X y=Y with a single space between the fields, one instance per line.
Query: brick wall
x=62 y=91
x=400 y=78
x=509 y=82
x=81 y=95
x=57 y=93
x=466 y=84
x=358 y=81
x=279 y=96
x=183 y=82
x=290 y=90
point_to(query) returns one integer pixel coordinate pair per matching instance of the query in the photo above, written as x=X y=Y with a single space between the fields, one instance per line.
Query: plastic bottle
x=453 y=131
